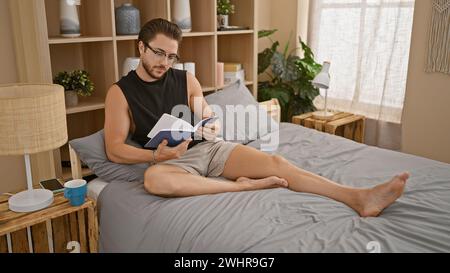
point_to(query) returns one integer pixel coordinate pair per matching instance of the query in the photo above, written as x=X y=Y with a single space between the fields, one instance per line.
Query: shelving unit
x=101 y=52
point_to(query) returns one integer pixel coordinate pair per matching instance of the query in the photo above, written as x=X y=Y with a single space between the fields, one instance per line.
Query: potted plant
x=290 y=77
x=75 y=83
x=224 y=8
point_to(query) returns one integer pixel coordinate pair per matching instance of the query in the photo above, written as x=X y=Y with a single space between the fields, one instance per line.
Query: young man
x=138 y=100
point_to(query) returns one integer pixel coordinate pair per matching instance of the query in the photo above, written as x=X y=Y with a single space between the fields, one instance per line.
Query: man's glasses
x=161 y=55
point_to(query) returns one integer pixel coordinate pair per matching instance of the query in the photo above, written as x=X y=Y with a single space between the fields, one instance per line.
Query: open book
x=174 y=130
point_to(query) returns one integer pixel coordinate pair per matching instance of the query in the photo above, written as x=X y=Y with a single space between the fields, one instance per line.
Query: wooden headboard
x=75 y=164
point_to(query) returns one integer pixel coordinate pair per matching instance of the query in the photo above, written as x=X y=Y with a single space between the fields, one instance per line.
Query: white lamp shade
x=322 y=80
x=32 y=118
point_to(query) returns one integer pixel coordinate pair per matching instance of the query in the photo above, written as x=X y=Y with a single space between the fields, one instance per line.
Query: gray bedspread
x=280 y=220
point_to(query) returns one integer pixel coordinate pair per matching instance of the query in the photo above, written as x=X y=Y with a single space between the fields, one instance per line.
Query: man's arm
x=201 y=109
x=117 y=128
x=197 y=102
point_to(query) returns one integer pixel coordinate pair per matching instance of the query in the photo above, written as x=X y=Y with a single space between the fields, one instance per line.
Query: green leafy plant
x=224 y=7
x=77 y=80
x=290 y=75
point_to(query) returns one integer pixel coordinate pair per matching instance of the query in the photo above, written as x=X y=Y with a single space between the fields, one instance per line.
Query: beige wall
x=282 y=15
x=426 y=118
x=12 y=169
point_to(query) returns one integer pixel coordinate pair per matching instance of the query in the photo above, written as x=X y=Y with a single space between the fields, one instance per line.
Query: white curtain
x=367 y=43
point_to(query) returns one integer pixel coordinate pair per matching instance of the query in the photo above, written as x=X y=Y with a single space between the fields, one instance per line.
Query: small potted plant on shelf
x=224 y=8
x=75 y=83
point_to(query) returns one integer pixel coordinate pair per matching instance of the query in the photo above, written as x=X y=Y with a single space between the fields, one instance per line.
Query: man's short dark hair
x=160 y=26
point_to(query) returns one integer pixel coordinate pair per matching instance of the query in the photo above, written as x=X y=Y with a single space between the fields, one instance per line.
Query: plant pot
x=71 y=98
x=222 y=20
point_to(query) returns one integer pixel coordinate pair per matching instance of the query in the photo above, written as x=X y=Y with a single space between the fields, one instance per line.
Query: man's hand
x=209 y=131
x=164 y=153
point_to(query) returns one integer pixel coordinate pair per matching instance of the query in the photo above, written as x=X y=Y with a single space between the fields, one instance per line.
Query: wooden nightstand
x=53 y=229
x=347 y=125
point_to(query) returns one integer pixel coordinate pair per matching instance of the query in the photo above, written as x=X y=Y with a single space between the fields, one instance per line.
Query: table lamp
x=322 y=80
x=32 y=120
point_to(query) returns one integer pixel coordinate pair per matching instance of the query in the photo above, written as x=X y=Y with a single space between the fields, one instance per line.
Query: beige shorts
x=207 y=158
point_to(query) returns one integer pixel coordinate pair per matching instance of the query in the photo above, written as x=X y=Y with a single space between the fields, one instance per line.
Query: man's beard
x=150 y=70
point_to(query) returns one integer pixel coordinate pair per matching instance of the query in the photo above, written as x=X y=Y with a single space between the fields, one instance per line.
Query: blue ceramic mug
x=75 y=190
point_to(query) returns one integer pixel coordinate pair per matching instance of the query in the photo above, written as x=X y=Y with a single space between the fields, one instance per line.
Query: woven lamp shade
x=32 y=118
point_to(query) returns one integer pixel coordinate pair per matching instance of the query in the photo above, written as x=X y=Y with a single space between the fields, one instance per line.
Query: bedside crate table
x=347 y=125
x=60 y=228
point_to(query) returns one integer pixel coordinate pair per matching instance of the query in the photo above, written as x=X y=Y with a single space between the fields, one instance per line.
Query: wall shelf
x=101 y=52
x=62 y=40
x=235 y=32
x=90 y=104
x=126 y=37
x=197 y=34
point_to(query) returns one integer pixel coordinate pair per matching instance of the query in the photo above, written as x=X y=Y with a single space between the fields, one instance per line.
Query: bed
x=280 y=220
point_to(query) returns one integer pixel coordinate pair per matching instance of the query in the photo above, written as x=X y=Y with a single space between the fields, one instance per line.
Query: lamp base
x=30 y=200
x=323 y=115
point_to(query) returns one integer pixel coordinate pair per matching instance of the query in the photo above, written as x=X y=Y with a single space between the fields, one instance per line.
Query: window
x=367 y=43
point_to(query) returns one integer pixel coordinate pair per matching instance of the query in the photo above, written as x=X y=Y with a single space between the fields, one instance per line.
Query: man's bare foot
x=264 y=183
x=375 y=200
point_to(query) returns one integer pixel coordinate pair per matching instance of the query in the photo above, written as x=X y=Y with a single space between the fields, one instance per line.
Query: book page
x=169 y=122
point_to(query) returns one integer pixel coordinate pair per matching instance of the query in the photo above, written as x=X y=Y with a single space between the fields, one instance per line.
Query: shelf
x=238 y=49
x=197 y=34
x=185 y=34
x=89 y=104
x=102 y=53
x=126 y=37
x=82 y=39
x=235 y=32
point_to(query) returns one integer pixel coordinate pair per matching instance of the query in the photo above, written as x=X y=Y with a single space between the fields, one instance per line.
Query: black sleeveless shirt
x=148 y=101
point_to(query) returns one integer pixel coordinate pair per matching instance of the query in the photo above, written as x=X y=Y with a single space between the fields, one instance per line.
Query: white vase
x=181 y=14
x=69 y=22
x=190 y=67
x=130 y=64
x=222 y=20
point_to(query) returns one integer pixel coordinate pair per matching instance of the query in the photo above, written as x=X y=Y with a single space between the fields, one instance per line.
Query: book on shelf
x=231 y=77
x=232 y=67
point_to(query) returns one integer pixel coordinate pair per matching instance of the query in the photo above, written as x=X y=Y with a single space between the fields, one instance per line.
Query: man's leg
x=248 y=162
x=173 y=181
